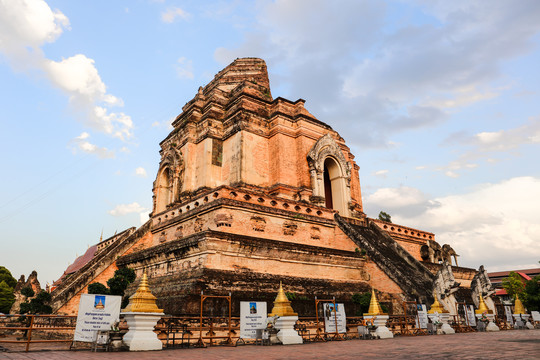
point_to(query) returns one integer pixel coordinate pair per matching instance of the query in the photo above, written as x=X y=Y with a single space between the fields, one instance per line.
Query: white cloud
x=397 y=197
x=184 y=68
x=25 y=26
x=174 y=13
x=495 y=143
x=81 y=143
x=459 y=98
x=381 y=173
x=350 y=63
x=78 y=77
x=504 y=140
x=124 y=209
x=140 y=171
x=133 y=208
x=491 y=225
x=144 y=216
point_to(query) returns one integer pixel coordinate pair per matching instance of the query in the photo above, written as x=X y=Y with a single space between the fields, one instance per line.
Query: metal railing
x=189 y=331
x=31 y=329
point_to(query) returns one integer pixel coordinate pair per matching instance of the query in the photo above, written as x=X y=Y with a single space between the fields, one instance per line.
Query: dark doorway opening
x=327 y=189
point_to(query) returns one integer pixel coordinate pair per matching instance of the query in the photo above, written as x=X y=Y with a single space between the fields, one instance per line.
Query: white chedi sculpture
x=376 y=316
x=142 y=315
x=286 y=319
x=438 y=314
x=521 y=314
x=482 y=312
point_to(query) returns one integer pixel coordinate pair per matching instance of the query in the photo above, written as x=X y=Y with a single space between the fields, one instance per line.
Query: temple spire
x=282 y=305
x=436 y=306
x=374 y=306
x=143 y=300
x=518 y=306
x=482 y=307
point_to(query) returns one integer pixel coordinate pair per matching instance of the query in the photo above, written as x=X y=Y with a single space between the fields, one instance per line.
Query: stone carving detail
x=258 y=223
x=289 y=228
x=445 y=286
x=364 y=274
x=435 y=253
x=223 y=219
x=162 y=237
x=197 y=227
x=315 y=233
x=432 y=252
x=445 y=283
x=326 y=147
x=169 y=181
x=179 y=233
x=481 y=284
x=448 y=253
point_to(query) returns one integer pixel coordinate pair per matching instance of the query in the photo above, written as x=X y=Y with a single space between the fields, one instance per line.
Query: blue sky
x=438 y=100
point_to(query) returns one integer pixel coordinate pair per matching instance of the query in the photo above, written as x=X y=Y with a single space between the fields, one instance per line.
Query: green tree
x=513 y=285
x=127 y=273
x=531 y=294
x=363 y=300
x=27 y=291
x=5 y=275
x=98 y=288
x=117 y=285
x=290 y=296
x=120 y=281
x=37 y=305
x=385 y=217
x=6 y=297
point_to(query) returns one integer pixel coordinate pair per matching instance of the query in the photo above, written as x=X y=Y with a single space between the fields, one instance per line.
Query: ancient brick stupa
x=252 y=190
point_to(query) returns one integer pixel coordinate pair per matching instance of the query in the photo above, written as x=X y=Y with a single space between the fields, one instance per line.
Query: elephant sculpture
x=448 y=253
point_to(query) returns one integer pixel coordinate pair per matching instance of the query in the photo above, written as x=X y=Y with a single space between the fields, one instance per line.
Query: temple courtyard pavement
x=511 y=344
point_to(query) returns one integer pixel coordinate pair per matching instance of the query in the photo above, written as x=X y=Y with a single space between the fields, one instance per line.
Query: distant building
x=496 y=279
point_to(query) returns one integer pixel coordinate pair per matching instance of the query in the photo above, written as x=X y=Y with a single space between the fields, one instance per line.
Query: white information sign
x=252 y=317
x=422 y=316
x=96 y=312
x=508 y=313
x=471 y=317
x=535 y=315
x=333 y=317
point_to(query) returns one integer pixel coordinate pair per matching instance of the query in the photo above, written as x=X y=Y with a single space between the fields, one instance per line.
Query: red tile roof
x=78 y=263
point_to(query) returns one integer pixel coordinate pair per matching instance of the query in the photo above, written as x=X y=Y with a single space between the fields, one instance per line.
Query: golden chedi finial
x=282 y=305
x=482 y=307
x=374 y=306
x=436 y=306
x=143 y=301
x=518 y=306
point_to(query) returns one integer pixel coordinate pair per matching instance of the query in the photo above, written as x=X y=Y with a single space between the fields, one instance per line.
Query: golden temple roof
x=282 y=305
x=374 y=306
x=143 y=301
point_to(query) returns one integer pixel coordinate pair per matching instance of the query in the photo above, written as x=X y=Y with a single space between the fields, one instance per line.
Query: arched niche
x=330 y=175
x=169 y=180
x=163 y=190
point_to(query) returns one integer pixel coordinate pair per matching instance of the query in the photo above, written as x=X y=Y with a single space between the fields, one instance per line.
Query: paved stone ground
x=512 y=344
